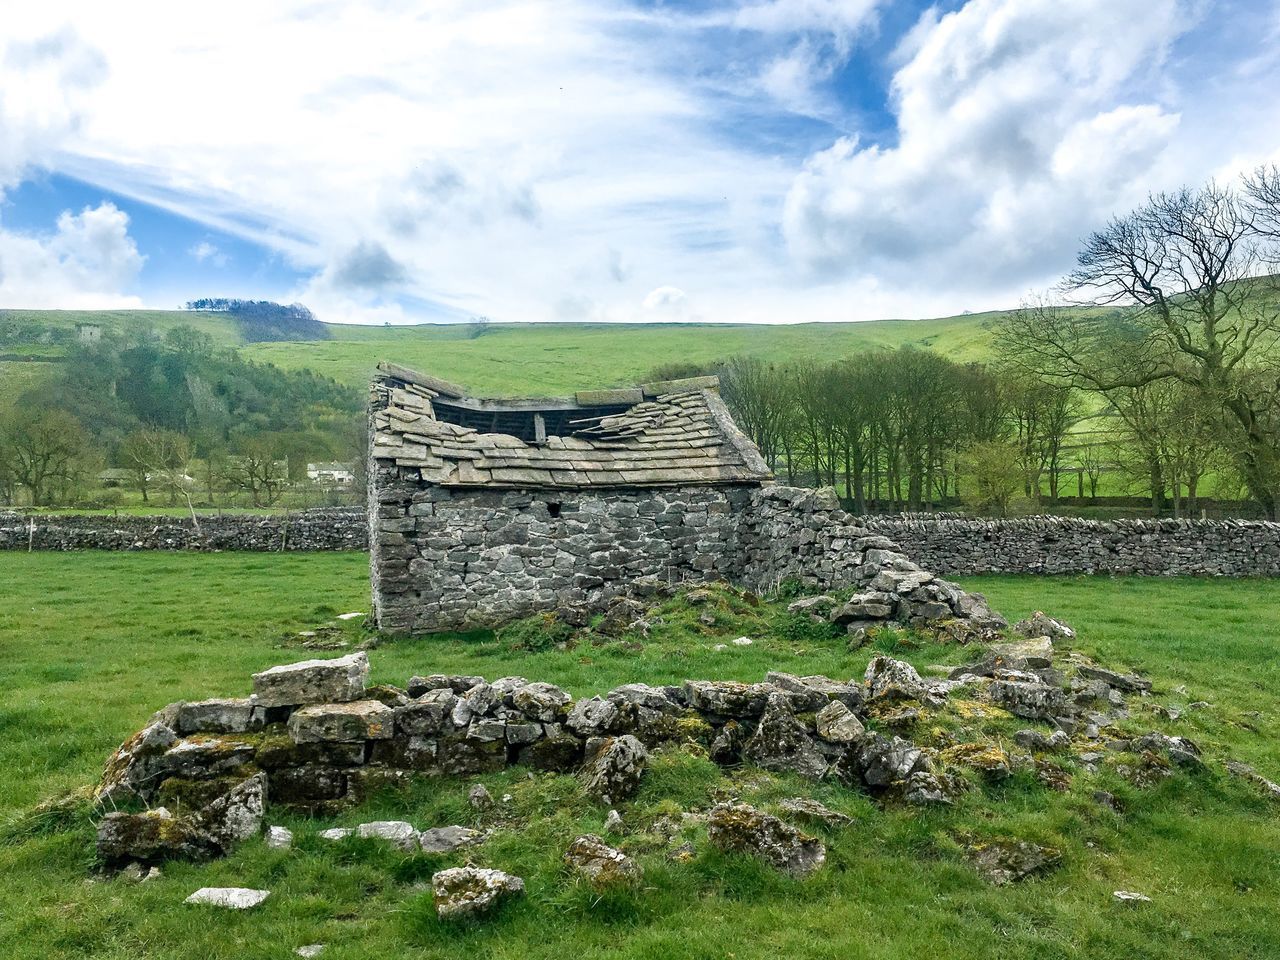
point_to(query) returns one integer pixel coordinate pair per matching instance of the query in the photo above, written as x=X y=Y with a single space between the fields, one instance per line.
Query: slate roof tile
x=683 y=436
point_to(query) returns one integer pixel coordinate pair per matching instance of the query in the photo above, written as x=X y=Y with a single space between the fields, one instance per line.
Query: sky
x=777 y=161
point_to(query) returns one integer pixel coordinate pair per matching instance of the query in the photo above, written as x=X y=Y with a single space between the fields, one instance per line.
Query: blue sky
x=606 y=160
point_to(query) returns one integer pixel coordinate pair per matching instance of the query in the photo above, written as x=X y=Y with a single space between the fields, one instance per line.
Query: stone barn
x=486 y=510
x=483 y=511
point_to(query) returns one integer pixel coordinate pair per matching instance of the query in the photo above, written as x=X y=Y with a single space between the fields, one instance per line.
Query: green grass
x=557 y=358
x=92 y=643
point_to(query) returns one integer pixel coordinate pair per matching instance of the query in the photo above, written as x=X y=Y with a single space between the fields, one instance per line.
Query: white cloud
x=1011 y=144
x=553 y=159
x=665 y=298
x=206 y=252
x=46 y=78
x=84 y=264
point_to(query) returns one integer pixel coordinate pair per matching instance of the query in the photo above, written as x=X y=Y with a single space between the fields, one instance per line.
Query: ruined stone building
x=483 y=511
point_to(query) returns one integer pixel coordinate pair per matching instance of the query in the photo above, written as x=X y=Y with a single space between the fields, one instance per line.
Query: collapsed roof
x=670 y=433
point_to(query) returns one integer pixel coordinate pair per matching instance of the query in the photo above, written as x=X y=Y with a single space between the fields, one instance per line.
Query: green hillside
x=557 y=358
x=545 y=358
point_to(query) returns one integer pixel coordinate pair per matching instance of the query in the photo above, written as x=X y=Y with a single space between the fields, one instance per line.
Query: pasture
x=93 y=643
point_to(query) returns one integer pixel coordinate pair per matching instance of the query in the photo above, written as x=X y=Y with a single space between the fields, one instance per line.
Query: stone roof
x=675 y=432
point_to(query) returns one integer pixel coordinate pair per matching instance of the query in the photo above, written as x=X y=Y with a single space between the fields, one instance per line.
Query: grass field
x=92 y=643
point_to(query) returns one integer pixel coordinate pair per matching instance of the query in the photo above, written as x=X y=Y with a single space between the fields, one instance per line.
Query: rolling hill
x=512 y=359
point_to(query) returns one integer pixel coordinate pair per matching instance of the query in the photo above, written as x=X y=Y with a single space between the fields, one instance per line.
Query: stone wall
x=1200 y=548
x=445 y=559
x=320 y=529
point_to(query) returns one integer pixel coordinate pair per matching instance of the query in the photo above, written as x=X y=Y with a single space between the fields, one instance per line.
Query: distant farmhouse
x=331 y=474
x=88 y=332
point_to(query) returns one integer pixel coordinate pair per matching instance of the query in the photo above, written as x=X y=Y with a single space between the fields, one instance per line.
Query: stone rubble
x=602 y=865
x=462 y=892
x=813 y=726
x=741 y=828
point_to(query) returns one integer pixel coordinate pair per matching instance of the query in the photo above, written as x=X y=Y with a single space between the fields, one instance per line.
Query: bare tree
x=762 y=398
x=161 y=457
x=1185 y=269
x=44 y=452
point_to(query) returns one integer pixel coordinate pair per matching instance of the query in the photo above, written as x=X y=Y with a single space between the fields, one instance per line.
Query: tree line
x=264 y=320
x=178 y=414
x=1157 y=361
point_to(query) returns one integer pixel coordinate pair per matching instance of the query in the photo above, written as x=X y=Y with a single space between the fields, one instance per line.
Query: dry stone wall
x=445 y=558
x=319 y=529
x=787 y=533
x=1199 y=548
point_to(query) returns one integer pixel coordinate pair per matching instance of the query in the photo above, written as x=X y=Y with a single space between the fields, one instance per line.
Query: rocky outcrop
x=741 y=828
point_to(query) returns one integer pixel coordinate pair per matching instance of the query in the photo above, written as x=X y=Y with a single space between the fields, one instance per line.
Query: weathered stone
x=1128 y=896
x=727 y=698
x=741 y=828
x=781 y=743
x=614 y=773
x=307 y=786
x=890 y=678
x=336 y=834
x=1030 y=700
x=230 y=898
x=878 y=761
x=601 y=864
x=218 y=716
x=899 y=581
x=237 y=815
x=1007 y=861
x=1033 y=652
x=1180 y=750
x=132 y=765
x=661 y=699
x=1041 y=625
x=541 y=701
x=560 y=753
x=280 y=750
x=358 y=720
x=479 y=797
x=440 y=681
x=313 y=681
x=487 y=731
x=430 y=714
x=866 y=606
x=593 y=717
x=471 y=891
x=398 y=833
x=802 y=697
x=1128 y=682
x=812 y=810
x=521 y=734
x=1045 y=743
x=812 y=605
x=987 y=758
x=448 y=839
x=836 y=723
x=151 y=837
x=1246 y=772
x=279 y=838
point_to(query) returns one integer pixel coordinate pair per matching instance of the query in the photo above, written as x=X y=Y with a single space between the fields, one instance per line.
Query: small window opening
x=553 y=509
